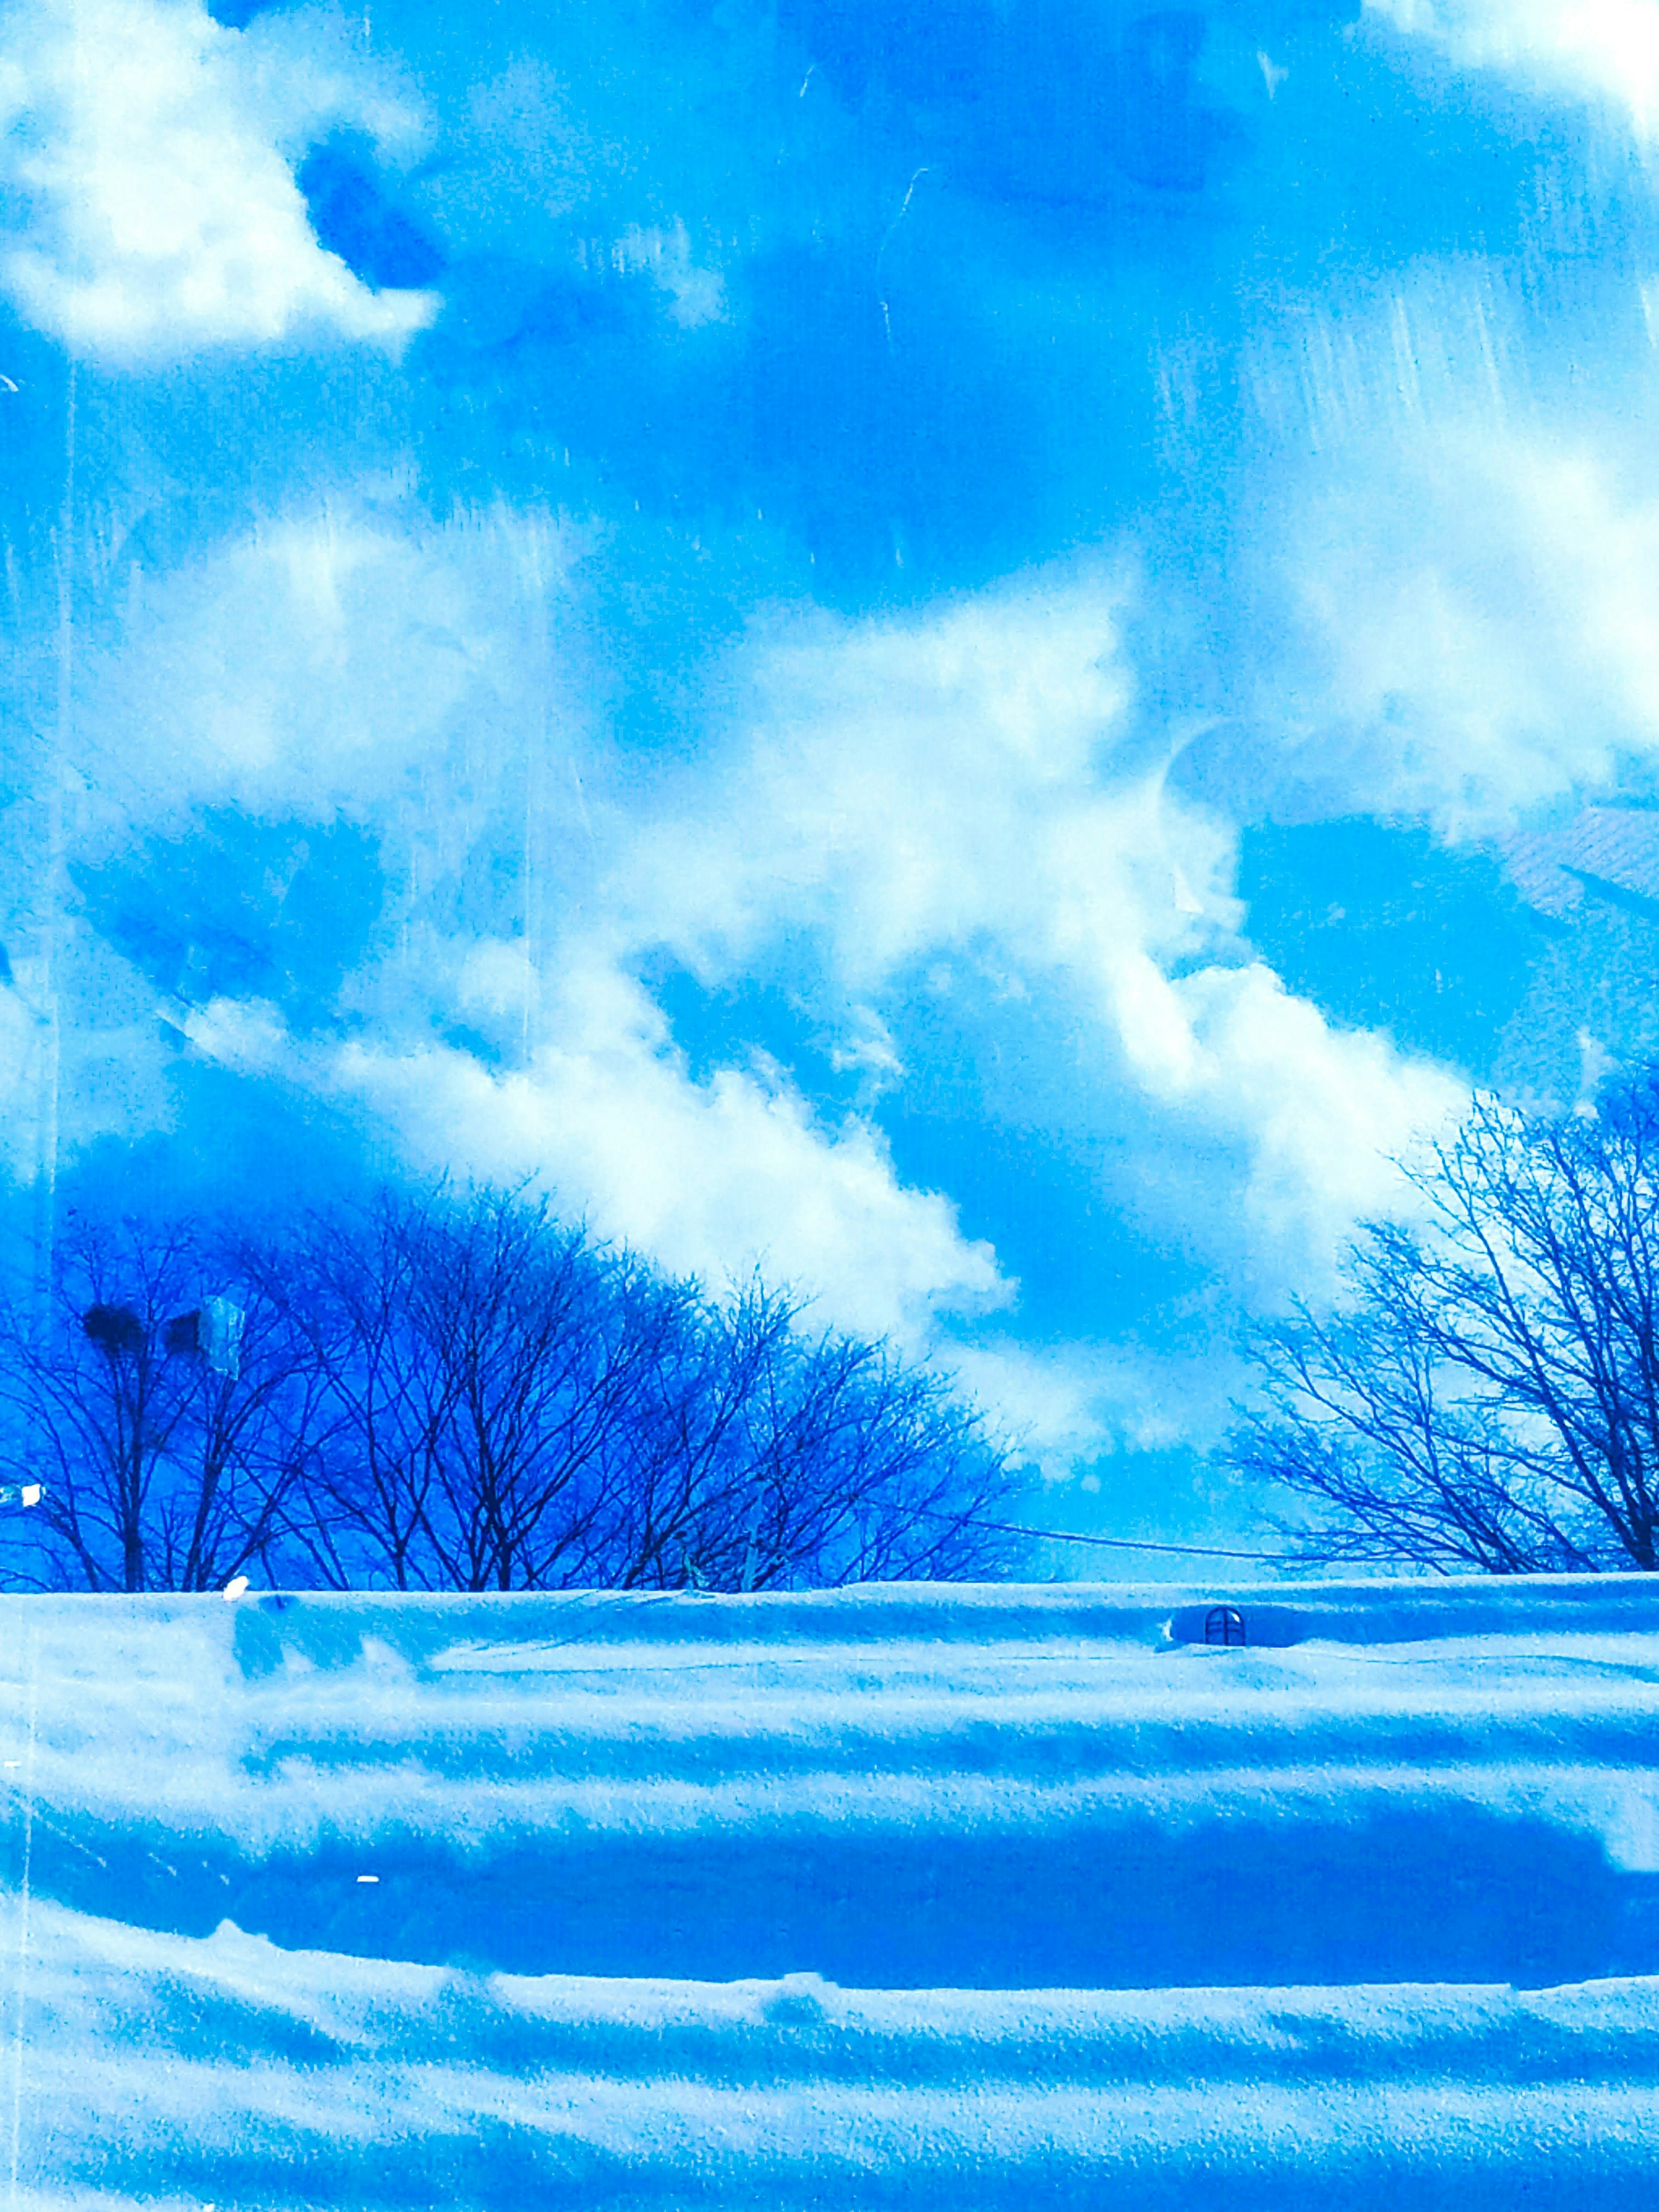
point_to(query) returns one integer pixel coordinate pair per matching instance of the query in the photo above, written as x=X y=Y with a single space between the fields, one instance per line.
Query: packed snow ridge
x=898 y=1896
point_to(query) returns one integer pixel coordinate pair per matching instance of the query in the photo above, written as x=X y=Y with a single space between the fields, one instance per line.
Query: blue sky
x=904 y=643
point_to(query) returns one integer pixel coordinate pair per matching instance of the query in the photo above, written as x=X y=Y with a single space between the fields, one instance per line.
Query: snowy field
x=895 y=1897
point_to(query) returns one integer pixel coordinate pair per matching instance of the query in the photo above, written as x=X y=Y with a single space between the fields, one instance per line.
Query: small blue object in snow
x=1229 y=1627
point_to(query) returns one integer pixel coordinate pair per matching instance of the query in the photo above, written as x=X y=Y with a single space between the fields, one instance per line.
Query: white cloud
x=967 y=789
x=1323 y=1110
x=161 y=217
x=1074 y=1402
x=1603 y=50
x=421 y=680
x=712 y=1177
x=1466 y=630
x=906 y=786
x=337 y=660
x=970 y=783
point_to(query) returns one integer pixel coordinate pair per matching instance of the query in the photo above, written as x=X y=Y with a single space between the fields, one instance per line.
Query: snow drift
x=867 y=1898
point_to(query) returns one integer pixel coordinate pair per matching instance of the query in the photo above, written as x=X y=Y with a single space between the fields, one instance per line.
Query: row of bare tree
x=442 y=1394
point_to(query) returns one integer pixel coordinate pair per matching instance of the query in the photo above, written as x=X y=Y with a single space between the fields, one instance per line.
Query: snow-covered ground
x=893 y=1897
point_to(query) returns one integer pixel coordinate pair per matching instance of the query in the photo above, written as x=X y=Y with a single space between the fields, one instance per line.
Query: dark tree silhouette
x=167 y=1460
x=1487 y=1396
x=441 y=1393
x=504 y=1404
x=481 y=1368
x=774 y=1460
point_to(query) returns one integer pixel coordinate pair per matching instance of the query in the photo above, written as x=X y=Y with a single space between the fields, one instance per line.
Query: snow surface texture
x=892 y=1897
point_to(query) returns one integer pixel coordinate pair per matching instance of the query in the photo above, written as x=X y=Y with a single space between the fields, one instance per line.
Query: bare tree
x=487 y=1375
x=774 y=1461
x=683 y=1501
x=1488 y=1394
x=509 y=1407
x=862 y=1470
x=167 y=1421
x=443 y=1393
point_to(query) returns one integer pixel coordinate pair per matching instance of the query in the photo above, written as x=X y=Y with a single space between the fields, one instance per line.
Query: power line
x=1132 y=1544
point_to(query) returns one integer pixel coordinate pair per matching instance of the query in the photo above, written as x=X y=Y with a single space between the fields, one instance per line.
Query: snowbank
x=897 y=1896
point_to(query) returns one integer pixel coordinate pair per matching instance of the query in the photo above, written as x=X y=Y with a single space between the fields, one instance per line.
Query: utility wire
x=1131 y=1543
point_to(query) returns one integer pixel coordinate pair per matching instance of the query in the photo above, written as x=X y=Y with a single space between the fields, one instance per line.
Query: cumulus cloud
x=713 y=1177
x=973 y=787
x=973 y=781
x=160 y=214
x=1323 y=1110
x=907 y=785
x=422 y=683
x=1486 y=607
x=1065 y=1403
